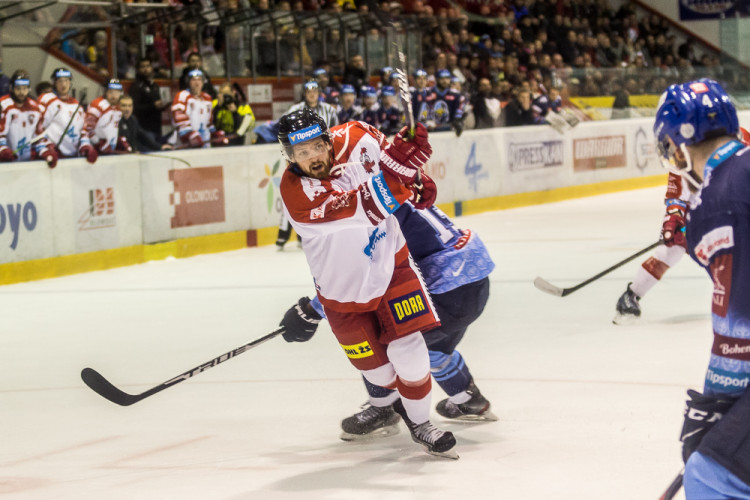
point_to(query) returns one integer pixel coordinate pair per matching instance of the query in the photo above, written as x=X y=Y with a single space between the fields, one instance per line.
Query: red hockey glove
x=123 y=145
x=673 y=229
x=405 y=157
x=49 y=154
x=89 y=152
x=425 y=197
x=219 y=138
x=195 y=140
x=6 y=154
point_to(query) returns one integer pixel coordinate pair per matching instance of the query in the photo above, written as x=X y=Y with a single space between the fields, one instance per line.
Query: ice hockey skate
x=371 y=422
x=436 y=442
x=628 y=308
x=476 y=409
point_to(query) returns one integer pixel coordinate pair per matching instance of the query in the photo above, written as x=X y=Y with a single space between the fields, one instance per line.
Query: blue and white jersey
x=447 y=256
x=447 y=107
x=718 y=235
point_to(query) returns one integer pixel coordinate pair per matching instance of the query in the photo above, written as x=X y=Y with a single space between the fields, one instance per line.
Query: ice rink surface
x=588 y=410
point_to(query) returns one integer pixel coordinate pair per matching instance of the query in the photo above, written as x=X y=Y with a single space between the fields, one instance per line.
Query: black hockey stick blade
x=105 y=389
x=673 y=488
x=551 y=289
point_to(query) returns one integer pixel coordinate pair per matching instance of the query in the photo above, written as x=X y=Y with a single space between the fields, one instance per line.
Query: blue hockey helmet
x=693 y=112
x=689 y=114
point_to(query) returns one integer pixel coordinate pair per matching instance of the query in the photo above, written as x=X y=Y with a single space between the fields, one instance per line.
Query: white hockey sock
x=459 y=398
x=418 y=410
x=642 y=282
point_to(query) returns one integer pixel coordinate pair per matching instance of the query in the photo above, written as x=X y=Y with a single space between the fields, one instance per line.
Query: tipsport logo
x=305 y=134
x=15 y=218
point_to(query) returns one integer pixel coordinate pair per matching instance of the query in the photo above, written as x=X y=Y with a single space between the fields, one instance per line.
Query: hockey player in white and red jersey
x=103 y=115
x=339 y=192
x=191 y=115
x=21 y=129
x=677 y=202
x=63 y=117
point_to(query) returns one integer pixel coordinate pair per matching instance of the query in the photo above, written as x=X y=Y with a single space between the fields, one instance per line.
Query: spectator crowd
x=499 y=63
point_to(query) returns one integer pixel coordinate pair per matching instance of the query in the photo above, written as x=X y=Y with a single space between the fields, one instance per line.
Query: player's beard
x=320 y=169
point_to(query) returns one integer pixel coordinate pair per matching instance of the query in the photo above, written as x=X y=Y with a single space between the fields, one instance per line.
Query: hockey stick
x=673 y=488
x=105 y=389
x=548 y=287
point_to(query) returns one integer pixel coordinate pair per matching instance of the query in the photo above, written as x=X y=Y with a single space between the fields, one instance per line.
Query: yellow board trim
x=53 y=267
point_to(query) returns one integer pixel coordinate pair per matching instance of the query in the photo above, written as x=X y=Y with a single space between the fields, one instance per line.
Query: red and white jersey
x=101 y=124
x=678 y=189
x=57 y=115
x=192 y=113
x=19 y=124
x=351 y=243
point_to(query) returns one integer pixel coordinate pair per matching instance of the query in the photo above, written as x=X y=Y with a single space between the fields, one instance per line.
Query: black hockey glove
x=300 y=322
x=458 y=126
x=701 y=415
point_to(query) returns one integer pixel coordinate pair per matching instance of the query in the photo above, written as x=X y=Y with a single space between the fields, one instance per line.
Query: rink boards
x=128 y=209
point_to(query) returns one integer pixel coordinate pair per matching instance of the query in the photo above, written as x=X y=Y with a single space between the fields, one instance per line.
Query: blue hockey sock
x=380 y=396
x=450 y=372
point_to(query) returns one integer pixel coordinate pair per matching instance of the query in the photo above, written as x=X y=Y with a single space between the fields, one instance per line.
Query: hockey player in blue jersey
x=455 y=266
x=696 y=128
x=447 y=110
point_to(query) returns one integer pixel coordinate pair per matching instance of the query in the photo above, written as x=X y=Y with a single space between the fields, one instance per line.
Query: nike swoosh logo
x=685 y=436
x=460 y=268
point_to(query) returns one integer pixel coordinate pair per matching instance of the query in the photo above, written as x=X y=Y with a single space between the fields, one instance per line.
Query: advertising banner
x=26 y=224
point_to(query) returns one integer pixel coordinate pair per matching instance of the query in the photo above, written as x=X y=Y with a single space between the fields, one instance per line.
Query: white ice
x=588 y=410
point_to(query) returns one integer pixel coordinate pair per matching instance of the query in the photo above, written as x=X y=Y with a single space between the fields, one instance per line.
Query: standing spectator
x=191 y=114
x=131 y=132
x=355 y=73
x=147 y=102
x=486 y=107
x=96 y=54
x=20 y=122
x=195 y=61
x=518 y=112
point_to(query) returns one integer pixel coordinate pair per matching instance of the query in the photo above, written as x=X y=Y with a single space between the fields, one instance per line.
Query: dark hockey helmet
x=298 y=127
x=61 y=73
x=19 y=78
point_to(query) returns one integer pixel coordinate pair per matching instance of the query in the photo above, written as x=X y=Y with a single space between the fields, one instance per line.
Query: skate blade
x=452 y=454
x=487 y=416
x=625 y=319
x=382 y=432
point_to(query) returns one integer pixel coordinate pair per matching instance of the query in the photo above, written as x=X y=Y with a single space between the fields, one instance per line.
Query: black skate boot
x=371 y=422
x=436 y=442
x=476 y=409
x=628 y=308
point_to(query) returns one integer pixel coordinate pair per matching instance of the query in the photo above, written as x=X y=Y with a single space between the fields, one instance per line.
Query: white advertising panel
x=265 y=173
x=97 y=207
x=26 y=223
x=207 y=197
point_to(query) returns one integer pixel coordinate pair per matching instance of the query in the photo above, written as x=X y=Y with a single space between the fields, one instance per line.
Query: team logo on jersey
x=357 y=351
x=408 y=306
x=365 y=160
x=713 y=241
x=375 y=236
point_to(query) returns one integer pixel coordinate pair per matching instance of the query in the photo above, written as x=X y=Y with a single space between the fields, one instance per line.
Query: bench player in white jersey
x=63 y=118
x=21 y=129
x=340 y=190
x=191 y=115
x=103 y=119
x=677 y=201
